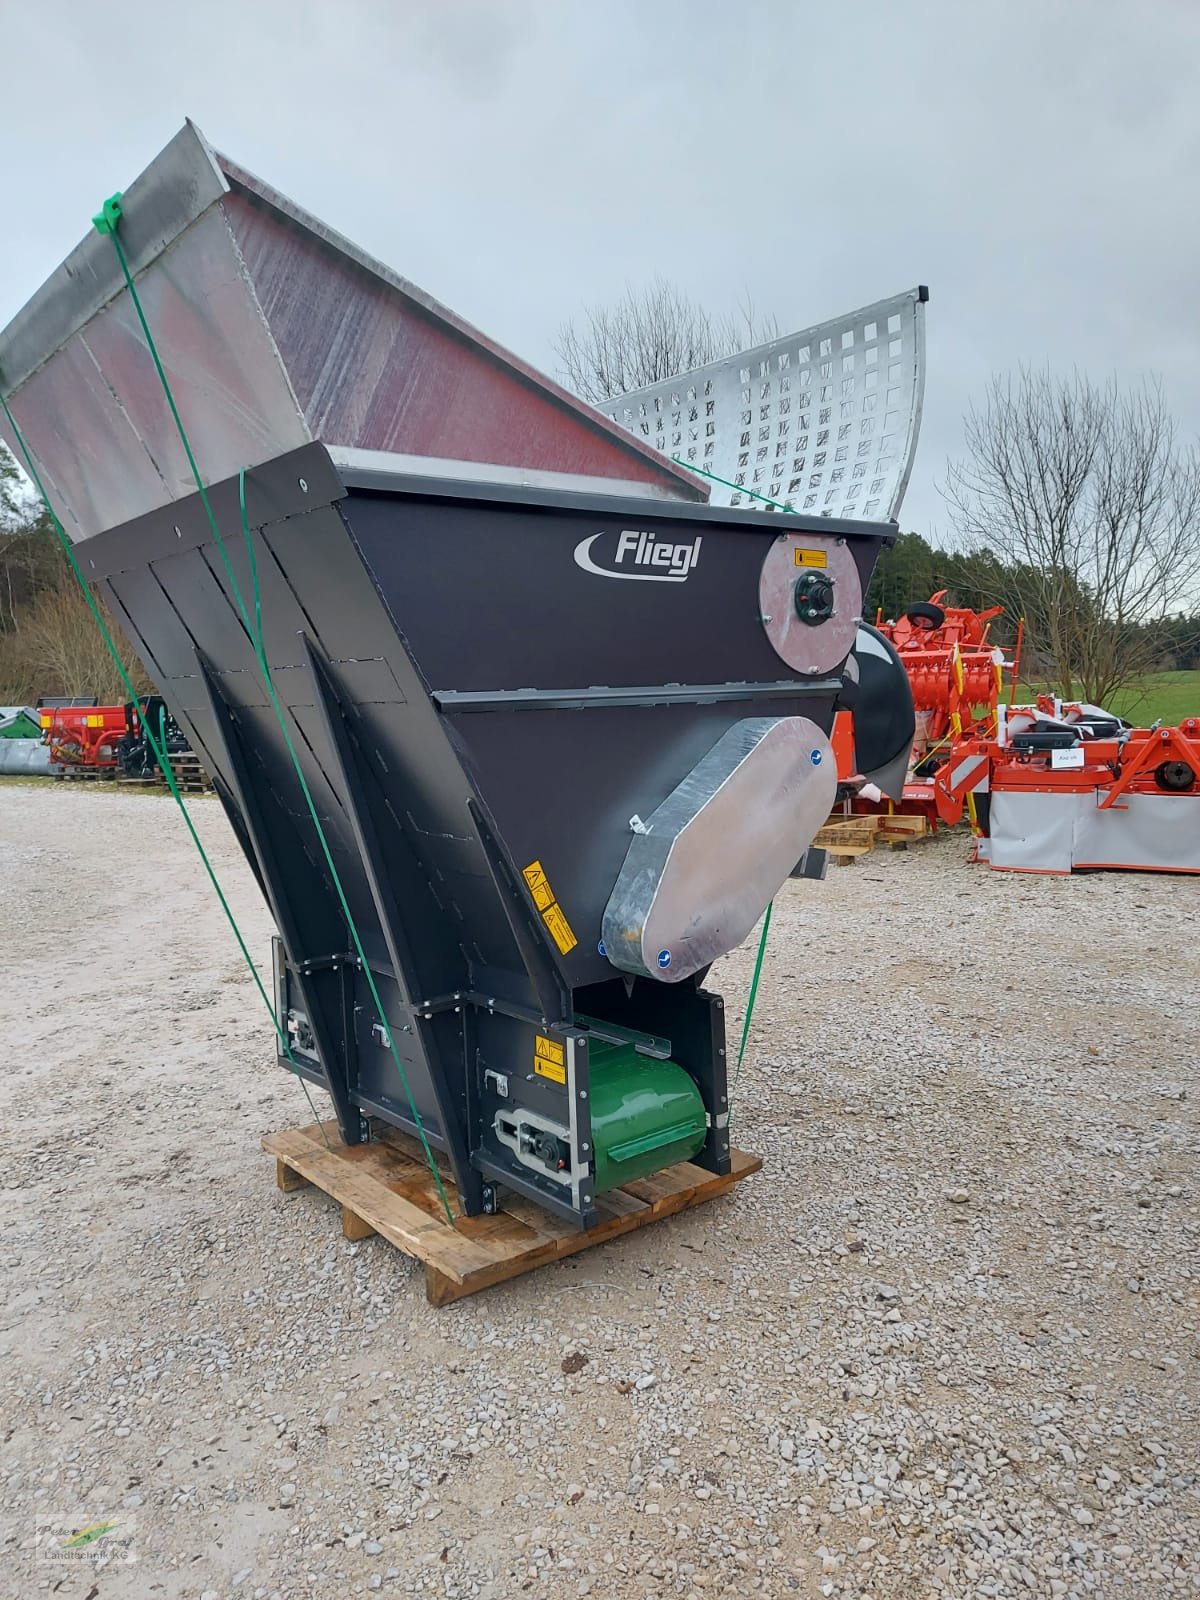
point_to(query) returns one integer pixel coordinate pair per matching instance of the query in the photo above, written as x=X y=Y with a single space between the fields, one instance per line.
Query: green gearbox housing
x=646 y=1115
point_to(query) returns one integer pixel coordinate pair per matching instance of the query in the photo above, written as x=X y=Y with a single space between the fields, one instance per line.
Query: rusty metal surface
x=824 y=421
x=376 y=368
x=273 y=332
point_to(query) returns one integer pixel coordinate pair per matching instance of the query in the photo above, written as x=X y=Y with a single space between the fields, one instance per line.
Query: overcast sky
x=1035 y=162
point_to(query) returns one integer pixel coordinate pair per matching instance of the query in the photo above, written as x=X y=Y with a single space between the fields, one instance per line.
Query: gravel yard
x=947 y=1343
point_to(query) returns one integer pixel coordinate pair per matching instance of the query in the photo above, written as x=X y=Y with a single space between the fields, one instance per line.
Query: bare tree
x=13 y=509
x=648 y=335
x=49 y=641
x=1086 y=494
x=58 y=650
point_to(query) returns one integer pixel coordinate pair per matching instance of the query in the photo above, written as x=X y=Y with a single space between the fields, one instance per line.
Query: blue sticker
x=600 y=950
x=664 y=958
x=815 y=757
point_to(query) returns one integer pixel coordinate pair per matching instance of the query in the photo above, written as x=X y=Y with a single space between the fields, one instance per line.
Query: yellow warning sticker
x=560 y=929
x=549 y=1050
x=811 y=558
x=549 y=1059
x=552 y=913
x=539 y=886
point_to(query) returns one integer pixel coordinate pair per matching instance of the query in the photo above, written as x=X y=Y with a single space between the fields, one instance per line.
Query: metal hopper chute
x=274 y=331
x=538 y=737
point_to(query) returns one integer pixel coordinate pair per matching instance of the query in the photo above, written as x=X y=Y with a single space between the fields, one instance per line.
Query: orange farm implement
x=957 y=677
x=102 y=741
x=1060 y=789
x=83 y=738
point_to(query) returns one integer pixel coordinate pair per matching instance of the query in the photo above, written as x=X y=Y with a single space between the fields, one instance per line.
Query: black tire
x=926 y=611
x=1175 y=776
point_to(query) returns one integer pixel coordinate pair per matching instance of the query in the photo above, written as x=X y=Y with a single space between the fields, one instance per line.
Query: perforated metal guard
x=824 y=421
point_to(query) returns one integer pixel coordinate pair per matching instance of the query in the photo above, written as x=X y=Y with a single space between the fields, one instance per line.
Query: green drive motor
x=646 y=1114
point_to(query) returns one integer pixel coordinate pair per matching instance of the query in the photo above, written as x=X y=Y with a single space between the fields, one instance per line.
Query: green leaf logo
x=89 y=1535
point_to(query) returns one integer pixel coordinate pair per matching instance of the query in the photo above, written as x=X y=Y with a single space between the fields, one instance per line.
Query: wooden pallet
x=189 y=775
x=75 y=774
x=848 y=837
x=385 y=1187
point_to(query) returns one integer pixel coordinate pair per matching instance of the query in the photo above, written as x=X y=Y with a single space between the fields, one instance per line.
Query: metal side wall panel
x=94 y=415
x=374 y=370
x=1033 y=832
x=1157 y=832
x=272 y=331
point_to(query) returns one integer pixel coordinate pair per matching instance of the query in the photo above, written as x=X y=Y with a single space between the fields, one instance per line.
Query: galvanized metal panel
x=824 y=421
x=94 y=415
x=378 y=366
x=365 y=466
x=803 y=647
x=702 y=868
x=24 y=758
x=180 y=184
x=273 y=331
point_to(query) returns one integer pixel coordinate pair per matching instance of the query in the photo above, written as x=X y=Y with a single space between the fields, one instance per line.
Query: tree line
x=913 y=569
x=49 y=642
x=1075 y=506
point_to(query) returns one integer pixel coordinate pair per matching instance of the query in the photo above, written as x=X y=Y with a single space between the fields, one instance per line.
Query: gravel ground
x=945 y=1344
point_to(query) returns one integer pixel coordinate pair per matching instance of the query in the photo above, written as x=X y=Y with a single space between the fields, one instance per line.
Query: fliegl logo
x=638 y=555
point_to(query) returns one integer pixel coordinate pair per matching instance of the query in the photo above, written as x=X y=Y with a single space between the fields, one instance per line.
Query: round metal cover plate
x=810 y=648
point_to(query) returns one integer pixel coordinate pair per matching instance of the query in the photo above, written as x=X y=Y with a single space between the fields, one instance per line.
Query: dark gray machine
x=565 y=741
x=554 y=793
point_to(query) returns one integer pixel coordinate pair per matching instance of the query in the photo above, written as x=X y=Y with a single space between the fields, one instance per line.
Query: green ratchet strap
x=159 y=745
x=753 y=996
x=738 y=488
x=107 y=222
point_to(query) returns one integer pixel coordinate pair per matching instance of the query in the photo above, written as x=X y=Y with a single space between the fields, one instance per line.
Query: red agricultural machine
x=957 y=679
x=1062 y=788
x=108 y=739
x=957 y=675
x=1048 y=787
x=82 y=737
